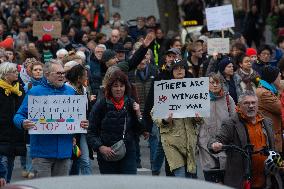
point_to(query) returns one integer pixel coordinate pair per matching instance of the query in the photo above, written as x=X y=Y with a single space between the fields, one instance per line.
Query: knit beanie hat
x=270 y=73
x=46 y=38
x=107 y=55
x=251 y=52
x=223 y=63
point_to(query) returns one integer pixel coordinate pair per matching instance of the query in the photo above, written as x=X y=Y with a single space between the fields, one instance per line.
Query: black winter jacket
x=107 y=124
x=12 y=140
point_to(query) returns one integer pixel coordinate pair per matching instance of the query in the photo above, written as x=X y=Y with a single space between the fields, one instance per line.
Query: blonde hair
x=7 y=67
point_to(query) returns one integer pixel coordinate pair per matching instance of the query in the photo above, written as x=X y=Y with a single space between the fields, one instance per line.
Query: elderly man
x=95 y=76
x=50 y=153
x=247 y=127
x=114 y=39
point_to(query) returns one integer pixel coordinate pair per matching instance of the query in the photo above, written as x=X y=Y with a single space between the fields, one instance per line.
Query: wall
x=130 y=9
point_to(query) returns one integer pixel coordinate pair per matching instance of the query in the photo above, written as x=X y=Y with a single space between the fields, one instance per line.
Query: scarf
x=118 y=105
x=10 y=89
x=269 y=86
x=214 y=97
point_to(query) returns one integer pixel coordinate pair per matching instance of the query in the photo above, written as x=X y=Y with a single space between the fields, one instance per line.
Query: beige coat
x=270 y=106
x=179 y=142
x=220 y=109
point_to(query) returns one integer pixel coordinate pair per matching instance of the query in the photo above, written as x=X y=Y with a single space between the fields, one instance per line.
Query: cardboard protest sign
x=52 y=28
x=218 y=45
x=57 y=114
x=182 y=97
x=219 y=18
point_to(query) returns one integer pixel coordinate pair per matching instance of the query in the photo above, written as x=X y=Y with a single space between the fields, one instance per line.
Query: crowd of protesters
x=116 y=66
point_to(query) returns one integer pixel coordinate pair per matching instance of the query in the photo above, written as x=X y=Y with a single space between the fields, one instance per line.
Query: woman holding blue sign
x=179 y=135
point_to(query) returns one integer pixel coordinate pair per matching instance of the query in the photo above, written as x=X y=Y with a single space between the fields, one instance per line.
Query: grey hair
x=5 y=68
x=245 y=94
x=101 y=46
x=48 y=65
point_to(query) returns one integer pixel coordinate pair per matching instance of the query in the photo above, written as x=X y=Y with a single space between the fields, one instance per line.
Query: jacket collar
x=240 y=128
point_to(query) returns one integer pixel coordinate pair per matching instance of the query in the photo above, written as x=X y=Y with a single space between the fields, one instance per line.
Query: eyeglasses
x=214 y=83
x=248 y=103
x=59 y=73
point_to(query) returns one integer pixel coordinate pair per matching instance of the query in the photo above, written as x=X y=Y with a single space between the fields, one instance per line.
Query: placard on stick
x=182 y=97
x=219 y=18
x=218 y=45
x=57 y=114
x=52 y=28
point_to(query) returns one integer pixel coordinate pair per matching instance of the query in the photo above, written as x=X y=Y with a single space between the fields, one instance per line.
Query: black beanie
x=107 y=55
x=223 y=63
x=270 y=73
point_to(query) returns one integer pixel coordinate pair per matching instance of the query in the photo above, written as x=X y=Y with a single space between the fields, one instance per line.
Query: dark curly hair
x=75 y=73
x=120 y=76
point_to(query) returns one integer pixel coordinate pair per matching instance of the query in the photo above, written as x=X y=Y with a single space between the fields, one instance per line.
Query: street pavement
x=145 y=161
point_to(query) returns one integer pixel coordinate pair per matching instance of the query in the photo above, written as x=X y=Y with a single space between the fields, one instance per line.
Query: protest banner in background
x=219 y=18
x=57 y=114
x=184 y=98
x=52 y=28
x=218 y=45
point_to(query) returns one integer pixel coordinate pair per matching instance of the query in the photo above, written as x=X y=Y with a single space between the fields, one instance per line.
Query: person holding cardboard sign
x=50 y=153
x=178 y=135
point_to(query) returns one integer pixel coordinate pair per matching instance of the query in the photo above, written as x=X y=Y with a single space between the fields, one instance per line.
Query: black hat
x=270 y=73
x=174 y=51
x=119 y=48
x=107 y=55
x=178 y=63
x=223 y=63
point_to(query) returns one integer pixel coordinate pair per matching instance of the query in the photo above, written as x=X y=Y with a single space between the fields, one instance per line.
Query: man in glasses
x=247 y=128
x=50 y=153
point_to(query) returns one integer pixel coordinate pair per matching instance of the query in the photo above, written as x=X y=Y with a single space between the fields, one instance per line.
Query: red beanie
x=7 y=43
x=251 y=51
x=46 y=38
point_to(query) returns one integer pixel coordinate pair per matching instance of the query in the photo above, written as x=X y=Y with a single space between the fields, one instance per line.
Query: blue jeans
x=159 y=154
x=181 y=172
x=137 y=146
x=85 y=162
x=26 y=161
x=82 y=164
x=7 y=162
x=153 y=143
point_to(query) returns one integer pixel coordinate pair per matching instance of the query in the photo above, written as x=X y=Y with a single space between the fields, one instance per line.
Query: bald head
x=115 y=35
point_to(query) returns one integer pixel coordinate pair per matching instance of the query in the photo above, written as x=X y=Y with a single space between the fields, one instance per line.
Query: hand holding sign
x=27 y=124
x=170 y=118
x=84 y=124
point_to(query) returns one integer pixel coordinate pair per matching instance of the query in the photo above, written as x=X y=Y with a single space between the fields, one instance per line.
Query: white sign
x=184 y=98
x=57 y=114
x=219 y=18
x=218 y=45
